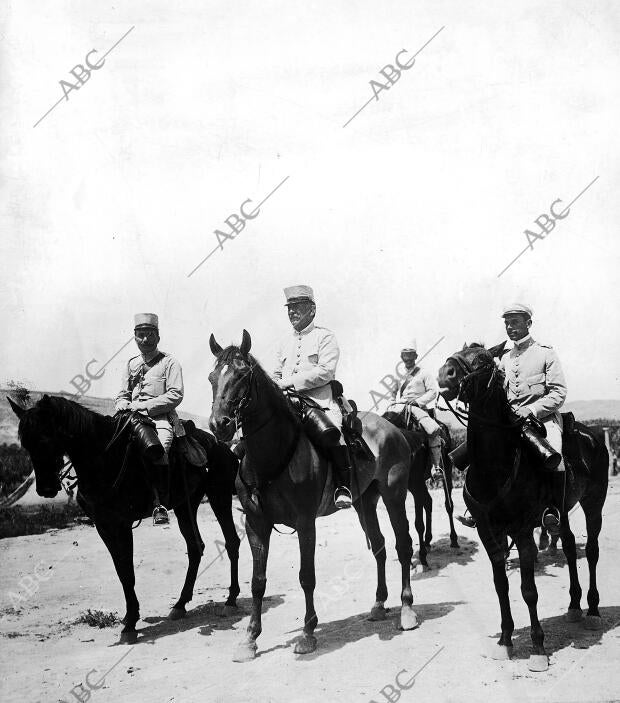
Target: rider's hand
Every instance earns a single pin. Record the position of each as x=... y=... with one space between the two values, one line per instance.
x=524 y=412
x=283 y=385
x=135 y=405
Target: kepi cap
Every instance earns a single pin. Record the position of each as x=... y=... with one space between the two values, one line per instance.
x=146 y=319
x=411 y=347
x=295 y=294
x=517 y=309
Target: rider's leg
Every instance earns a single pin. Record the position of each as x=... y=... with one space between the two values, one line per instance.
x=433 y=433
x=160 y=471
x=341 y=461
x=551 y=514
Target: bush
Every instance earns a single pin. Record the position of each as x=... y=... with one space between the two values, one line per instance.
x=15 y=467
x=16 y=521
x=97 y=618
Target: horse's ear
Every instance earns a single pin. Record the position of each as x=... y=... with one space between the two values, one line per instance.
x=17 y=409
x=215 y=347
x=246 y=343
x=498 y=350
x=464 y=346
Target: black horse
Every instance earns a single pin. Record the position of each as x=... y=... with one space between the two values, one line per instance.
x=418 y=476
x=506 y=492
x=114 y=492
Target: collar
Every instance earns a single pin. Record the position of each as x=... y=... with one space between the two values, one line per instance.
x=413 y=371
x=149 y=357
x=306 y=330
x=523 y=342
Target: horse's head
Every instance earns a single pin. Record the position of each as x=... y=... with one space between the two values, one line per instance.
x=40 y=437
x=230 y=380
x=463 y=371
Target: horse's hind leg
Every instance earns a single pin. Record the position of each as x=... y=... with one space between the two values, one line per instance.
x=527 y=556
x=395 y=505
x=259 y=534
x=366 y=508
x=420 y=505
x=594 y=521
x=186 y=518
x=306 y=533
x=568 y=546
x=222 y=509
x=119 y=541
x=428 y=509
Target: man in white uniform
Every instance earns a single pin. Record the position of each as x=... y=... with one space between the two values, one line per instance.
x=536 y=386
x=306 y=363
x=416 y=395
x=153 y=385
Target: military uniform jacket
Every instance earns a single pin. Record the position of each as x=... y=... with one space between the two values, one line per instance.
x=157 y=387
x=418 y=385
x=534 y=378
x=308 y=361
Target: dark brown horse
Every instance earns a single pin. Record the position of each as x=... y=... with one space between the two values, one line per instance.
x=506 y=492
x=113 y=490
x=296 y=484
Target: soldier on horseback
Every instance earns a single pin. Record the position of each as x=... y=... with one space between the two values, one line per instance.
x=536 y=387
x=152 y=387
x=415 y=397
x=306 y=364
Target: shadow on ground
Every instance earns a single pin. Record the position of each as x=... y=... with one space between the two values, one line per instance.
x=207 y=618
x=560 y=634
x=334 y=634
x=441 y=554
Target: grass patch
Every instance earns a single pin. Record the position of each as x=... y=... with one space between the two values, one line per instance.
x=16 y=521
x=98 y=618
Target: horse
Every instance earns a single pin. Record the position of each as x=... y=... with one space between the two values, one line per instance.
x=418 y=476
x=114 y=492
x=296 y=485
x=505 y=491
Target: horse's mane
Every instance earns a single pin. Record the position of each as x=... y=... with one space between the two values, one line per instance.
x=281 y=401
x=60 y=414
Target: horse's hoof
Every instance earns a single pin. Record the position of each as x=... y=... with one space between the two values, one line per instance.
x=408 y=618
x=573 y=615
x=378 y=612
x=538 y=662
x=552 y=550
x=501 y=653
x=305 y=644
x=428 y=546
x=454 y=545
x=176 y=614
x=426 y=567
x=593 y=622
x=244 y=652
x=227 y=611
x=129 y=637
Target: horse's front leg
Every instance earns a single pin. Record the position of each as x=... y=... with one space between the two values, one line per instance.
x=119 y=541
x=494 y=546
x=539 y=661
x=259 y=534
x=306 y=532
x=447 y=486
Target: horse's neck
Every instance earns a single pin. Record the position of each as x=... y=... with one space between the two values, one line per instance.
x=270 y=435
x=82 y=445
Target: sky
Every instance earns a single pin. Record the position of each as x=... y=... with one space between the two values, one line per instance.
x=401 y=220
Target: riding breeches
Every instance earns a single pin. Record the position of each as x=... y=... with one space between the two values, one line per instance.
x=554 y=436
x=164 y=432
x=426 y=422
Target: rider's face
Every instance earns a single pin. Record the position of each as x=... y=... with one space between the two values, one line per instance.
x=517 y=326
x=146 y=338
x=301 y=314
x=409 y=359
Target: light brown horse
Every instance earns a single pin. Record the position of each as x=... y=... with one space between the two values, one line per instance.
x=296 y=484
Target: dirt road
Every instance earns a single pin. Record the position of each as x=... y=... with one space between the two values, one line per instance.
x=49 y=579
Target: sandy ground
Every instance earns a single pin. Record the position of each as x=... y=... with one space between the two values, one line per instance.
x=48 y=580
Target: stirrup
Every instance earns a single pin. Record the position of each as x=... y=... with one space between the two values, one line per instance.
x=343 y=498
x=466 y=520
x=551 y=521
x=160 y=516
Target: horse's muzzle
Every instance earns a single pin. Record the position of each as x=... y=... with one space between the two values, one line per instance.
x=223 y=428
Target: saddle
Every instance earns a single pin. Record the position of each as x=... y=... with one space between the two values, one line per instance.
x=575 y=442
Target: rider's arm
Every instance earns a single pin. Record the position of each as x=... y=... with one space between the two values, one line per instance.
x=122 y=400
x=431 y=390
x=555 y=384
x=173 y=395
x=323 y=371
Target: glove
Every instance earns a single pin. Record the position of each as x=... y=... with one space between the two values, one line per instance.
x=524 y=412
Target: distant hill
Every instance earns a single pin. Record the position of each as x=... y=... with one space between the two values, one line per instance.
x=594 y=409
x=104 y=406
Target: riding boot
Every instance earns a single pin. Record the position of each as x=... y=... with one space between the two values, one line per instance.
x=436 y=459
x=159 y=484
x=341 y=463
x=551 y=514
